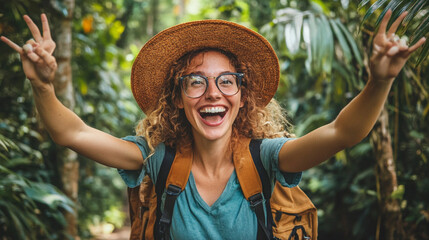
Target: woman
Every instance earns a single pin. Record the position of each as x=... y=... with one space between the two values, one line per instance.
x=205 y=84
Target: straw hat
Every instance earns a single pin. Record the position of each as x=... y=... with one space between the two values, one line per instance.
x=154 y=60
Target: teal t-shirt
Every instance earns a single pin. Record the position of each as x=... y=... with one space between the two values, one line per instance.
x=230 y=217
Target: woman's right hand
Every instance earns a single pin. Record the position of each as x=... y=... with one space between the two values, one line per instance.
x=36 y=55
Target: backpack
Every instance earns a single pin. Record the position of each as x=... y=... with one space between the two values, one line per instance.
x=293 y=215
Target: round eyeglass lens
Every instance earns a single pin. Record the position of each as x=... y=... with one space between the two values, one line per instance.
x=227 y=84
x=194 y=86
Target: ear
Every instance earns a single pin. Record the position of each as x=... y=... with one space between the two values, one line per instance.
x=242 y=100
x=180 y=103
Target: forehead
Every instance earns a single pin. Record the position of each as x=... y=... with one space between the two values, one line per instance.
x=210 y=61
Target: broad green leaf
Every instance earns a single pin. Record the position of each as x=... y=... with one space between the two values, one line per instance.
x=398 y=193
x=342 y=41
x=327 y=46
x=351 y=41
x=293 y=34
x=306 y=36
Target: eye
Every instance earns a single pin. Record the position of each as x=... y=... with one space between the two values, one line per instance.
x=226 y=80
x=195 y=81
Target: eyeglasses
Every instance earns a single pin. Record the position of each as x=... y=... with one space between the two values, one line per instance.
x=194 y=85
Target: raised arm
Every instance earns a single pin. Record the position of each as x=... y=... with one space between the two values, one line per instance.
x=356 y=120
x=63 y=125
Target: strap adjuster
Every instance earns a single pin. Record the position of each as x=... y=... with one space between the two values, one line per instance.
x=256 y=200
x=173 y=190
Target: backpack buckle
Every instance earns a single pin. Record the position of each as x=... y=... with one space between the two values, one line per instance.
x=256 y=200
x=173 y=190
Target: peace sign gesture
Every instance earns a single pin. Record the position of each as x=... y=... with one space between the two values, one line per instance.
x=390 y=52
x=36 y=55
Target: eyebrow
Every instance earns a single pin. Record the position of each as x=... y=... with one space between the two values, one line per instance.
x=203 y=74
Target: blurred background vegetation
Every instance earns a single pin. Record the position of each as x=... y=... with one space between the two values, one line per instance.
x=378 y=189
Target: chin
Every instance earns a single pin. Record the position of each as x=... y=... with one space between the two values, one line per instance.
x=214 y=134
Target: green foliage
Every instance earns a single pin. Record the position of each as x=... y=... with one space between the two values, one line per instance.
x=410 y=106
x=29 y=207
x=322 y=51
x=104 y=101
x=322 y=47
x=31 y=210
x=408 y=27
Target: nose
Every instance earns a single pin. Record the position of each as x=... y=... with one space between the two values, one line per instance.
x=212 y=93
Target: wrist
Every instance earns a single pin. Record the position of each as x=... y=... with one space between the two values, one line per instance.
x=376 y=79
x=42 y=88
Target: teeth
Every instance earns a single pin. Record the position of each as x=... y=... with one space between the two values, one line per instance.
x=213 y=110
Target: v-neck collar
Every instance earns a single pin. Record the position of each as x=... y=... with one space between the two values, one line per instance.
x=225 y=193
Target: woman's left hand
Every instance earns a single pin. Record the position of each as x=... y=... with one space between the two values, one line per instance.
x=390 y=52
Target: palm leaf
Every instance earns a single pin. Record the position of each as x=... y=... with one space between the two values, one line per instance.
x=327 y=45
x=318 y=33
x=373 y=8
x=398 y=7
x=342 y=41
x=351 y=41
x=423 y=55
x=363 y=3
x=421 y=31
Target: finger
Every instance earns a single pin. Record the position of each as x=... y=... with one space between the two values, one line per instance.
x=393 y=51
x=32 y=56
x=33 y=28
x=46 y=57
x=396 y=24
x=11 y=44
x=46 y=29
x=32 y=43
x=417 y=45
x=29 y=46
x=383 y=24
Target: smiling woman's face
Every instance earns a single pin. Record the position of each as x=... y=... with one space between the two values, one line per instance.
x=211 y=115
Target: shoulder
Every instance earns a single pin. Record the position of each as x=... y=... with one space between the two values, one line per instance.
x=152 y=161
x=141 y=142
x=272 y=146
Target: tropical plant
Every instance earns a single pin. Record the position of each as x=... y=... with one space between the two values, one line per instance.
x=413 y=29
x=323 y=57
x=410 y=105
x=29 y=209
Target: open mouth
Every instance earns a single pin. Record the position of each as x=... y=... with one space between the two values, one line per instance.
x=213 y=114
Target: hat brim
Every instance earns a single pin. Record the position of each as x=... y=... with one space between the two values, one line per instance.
x=156 y=57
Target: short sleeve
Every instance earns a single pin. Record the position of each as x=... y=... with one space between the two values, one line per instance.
x=270 y=149
x=133 y=178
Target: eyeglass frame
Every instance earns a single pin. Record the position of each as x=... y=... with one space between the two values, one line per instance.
x=239 y=77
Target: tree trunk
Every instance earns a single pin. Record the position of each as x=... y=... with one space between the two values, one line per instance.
x=152 y=20
x=389 y=225
x=66 y=159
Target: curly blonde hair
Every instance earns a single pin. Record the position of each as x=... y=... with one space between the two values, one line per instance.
x=168 y=124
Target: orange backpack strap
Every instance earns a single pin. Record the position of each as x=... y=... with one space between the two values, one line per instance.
x=181 y=168
x=174 y=185
x=247 y=173
x=253 y=189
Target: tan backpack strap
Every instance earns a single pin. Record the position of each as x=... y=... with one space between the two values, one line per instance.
x=181 y=168
x=174 y=185
x=251 y=185
x=247 y=173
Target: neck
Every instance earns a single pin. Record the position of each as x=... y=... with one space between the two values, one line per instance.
x=212 y=157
